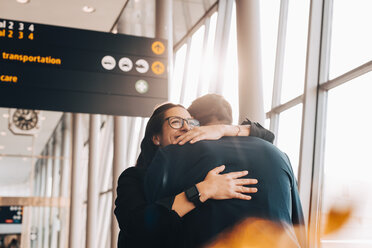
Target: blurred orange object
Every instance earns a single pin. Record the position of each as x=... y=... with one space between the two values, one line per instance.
x=254 y=232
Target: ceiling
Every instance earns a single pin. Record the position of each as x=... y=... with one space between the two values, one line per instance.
x=133 y=17
x=136 y=17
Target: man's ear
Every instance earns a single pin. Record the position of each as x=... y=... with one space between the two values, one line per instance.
x=156 y=140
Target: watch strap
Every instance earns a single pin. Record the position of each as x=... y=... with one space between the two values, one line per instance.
x=193 y=195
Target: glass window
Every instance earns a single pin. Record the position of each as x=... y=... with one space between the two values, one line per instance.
x=231 y=81
x=348 y=161
x=269 y=14
x=194 y=66
x=179 y=67
x=289 y=134
x=209 y=61
x=351 y=35
x=295 y=50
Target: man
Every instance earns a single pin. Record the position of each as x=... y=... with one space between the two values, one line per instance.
x=178 y=168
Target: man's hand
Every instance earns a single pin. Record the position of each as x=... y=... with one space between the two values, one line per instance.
x=225 y=186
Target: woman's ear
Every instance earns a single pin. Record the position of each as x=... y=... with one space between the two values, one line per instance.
x=156 y=140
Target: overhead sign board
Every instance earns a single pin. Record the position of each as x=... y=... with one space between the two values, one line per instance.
x=11 y=214
x=56 y=68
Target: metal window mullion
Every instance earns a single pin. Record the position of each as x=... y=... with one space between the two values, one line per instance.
x=75 y=202
x=285 y=106
x=220 y=44
x=224 y=39
x=41 y=209
x=356 y=72
x=279 y=63
x=106 y=225
x=315 y=211
x=65 y=177
x=106 y=145
x=185 y=72
x=141 y=135
x=49 y=185
x=55 y=189
x=131 y=149
x=36 y=210
x=119 y=159
x=312 y=111
x=315 y=184
x=221 y=11
x=194 y=28
x=93 y=191
x=204 y=56
x=107 y=166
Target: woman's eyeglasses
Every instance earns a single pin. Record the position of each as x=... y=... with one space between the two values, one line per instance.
x=178 y=122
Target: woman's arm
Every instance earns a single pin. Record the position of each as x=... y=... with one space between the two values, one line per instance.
x=211 y=132
x=259 y=131
x=215 y=132
x=141 y=222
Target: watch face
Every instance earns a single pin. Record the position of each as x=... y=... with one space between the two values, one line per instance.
x=25 y=119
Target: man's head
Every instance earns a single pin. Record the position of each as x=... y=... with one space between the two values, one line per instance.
x=211 y=109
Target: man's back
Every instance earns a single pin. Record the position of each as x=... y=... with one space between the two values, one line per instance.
x=174 y=169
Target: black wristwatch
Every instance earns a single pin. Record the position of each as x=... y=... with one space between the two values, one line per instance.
x=193 y=196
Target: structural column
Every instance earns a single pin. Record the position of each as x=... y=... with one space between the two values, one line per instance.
x=65 y=178
x=164 y=30
x=75 y=203
x=118 y=167
x=93 y=191
x=249 y=60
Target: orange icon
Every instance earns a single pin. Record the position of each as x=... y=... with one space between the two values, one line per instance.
x=158 y=67
x=158 y=47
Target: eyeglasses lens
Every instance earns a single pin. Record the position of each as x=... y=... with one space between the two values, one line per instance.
x=176 y=122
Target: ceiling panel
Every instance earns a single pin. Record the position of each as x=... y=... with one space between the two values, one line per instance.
x=67 y=13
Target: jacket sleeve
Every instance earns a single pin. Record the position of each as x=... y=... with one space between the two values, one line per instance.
x=259 y=131
x=155 y=222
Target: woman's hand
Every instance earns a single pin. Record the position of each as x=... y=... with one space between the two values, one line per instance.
x=212 y=132
x=225 y=186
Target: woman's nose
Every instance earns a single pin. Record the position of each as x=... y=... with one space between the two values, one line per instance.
x=185 y=126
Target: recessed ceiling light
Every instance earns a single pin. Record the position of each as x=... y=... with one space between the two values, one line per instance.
x=88 y=9
x=2 y=147
x=2 y=133
x=6 y=115
x=29 y=148
x=23 y=1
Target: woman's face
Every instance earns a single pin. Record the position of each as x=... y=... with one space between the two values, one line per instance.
x=170 y=134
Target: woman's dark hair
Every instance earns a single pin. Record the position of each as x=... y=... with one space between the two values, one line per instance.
x=153 y=127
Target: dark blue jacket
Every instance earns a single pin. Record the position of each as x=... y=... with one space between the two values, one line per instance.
x=176 y=168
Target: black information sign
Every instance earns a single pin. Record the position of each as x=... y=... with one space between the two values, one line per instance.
x=72 y=70
x=11 y=214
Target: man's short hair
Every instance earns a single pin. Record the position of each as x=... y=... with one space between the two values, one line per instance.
x=211 y=108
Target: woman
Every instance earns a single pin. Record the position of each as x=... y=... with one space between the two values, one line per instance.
x=158 y=224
